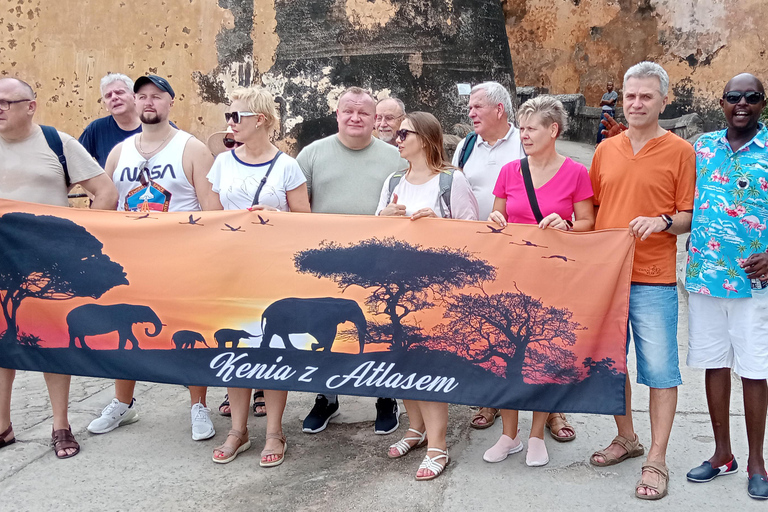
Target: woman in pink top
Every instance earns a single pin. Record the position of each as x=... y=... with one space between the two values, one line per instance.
x=564 y=195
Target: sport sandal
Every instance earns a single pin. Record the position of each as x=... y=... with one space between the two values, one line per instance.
x=633 y=448
x=228 y=454
x=403 y=447
x=660 y=469
x=431 y=464
x=265 y=453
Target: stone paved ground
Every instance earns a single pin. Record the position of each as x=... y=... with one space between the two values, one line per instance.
x=154 y=464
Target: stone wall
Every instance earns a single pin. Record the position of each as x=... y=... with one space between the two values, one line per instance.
x=304 y=51
x=575 y=46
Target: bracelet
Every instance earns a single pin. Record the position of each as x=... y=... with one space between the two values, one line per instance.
x=569 y=224
x=666 y=218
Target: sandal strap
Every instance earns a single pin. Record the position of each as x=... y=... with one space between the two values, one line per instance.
x=628 y=444
x=403 y=447
x=656 y=467
x=275 y=435
x=431 y=464
x=63 y=439
x=9 y=431
x=242 y=436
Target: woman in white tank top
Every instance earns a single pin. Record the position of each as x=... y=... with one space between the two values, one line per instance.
x=256 y=175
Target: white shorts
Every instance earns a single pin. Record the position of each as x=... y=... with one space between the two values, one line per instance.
x=729 y=333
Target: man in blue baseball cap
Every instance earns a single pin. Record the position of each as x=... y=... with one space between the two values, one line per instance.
x=158 y=81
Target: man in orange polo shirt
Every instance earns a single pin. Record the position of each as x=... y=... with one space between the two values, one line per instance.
x=644 y=179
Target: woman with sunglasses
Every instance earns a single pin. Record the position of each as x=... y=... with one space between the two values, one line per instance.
x=417 y=194
x=563 y=194
x=258 y=176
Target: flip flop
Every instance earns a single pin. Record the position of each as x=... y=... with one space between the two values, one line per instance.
x=259 y=403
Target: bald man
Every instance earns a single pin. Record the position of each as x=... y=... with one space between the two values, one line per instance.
x=727 y=277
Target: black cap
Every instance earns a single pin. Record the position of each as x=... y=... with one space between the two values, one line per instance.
x=159 y=81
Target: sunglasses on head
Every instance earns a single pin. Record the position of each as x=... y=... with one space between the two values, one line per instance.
x=402 y=133
x=230 y=143
x=752 y=97
x=237 y=117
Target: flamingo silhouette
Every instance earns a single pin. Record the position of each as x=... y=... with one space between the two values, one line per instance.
x=529 y=244
x=493 y=230
x=705 y=205
x=145 y=216
x=193 y=221
x=729 y=287
x=233 y=229
x=565 y=259
x=262 y=221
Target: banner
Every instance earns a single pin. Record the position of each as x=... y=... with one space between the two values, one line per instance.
x=449 y=311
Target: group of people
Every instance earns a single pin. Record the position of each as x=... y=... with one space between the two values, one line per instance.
x=385 y=161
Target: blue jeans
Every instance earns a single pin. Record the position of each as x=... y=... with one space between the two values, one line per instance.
x=612 y=113
x=653 y=319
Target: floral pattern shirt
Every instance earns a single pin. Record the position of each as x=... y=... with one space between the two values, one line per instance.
x=729 y=216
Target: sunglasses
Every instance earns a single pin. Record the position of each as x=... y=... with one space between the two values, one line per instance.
x=402 y=133
x=144 y=177
x=752 y=97
x=237 y=117
x=230 y=143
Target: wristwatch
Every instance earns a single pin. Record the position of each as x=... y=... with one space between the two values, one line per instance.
x=668 y=220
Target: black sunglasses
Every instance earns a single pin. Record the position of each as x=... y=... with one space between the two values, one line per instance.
x=752 y=97
x=230 y=143
x=144 y=177
x=237 y=117
x=402 y=133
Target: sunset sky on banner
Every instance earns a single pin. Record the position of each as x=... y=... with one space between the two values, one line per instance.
x=207 y=276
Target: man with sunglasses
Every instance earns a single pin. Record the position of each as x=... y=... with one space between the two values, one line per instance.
x=103 y=134
x=160 y=169
x=727 y=277
x=30 y=171
x=345 y=173
x=390 y=113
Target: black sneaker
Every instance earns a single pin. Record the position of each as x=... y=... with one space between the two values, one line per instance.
x=320 y=415
x=387 y=416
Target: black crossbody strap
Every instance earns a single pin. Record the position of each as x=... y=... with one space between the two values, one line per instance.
x=264 y=179
x=529 y=189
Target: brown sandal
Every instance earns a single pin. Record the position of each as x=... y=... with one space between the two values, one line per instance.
x=633 y=448
x=556 y=421
x=63 y=439
x=229 y=453
x=265 y=453
x=489 y=414
x=660 y=469
x=4 y=435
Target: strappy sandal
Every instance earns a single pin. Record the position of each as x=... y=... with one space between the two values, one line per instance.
x=265 y=453
x=8 y=432
x=403 y=447
x=224 y=404
x=660 y=469
x=229 y=453
x=489 y=414
x=556 y=422
x=432 y=465
x=63 y=439
x=259 y=403
x=633 y=448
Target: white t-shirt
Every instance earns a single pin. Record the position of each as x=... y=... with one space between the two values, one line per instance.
x=485 y=163
x=236 y=182
x=426 y=195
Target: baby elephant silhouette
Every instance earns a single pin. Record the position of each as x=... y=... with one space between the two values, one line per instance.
x=233 y=336
x=95 y=319
x=187 y=339
x=318 y=317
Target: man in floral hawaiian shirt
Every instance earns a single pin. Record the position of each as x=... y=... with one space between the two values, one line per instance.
x=727 y=276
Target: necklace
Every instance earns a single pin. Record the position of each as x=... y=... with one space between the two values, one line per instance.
x=158 y=147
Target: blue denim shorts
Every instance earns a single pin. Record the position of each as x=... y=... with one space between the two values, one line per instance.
x=653 y=319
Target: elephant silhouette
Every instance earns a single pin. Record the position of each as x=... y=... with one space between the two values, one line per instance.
x=94 y=319
x=187 y=339
x=319 y=317
x=233 y=336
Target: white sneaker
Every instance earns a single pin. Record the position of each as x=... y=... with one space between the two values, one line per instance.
x=114 y=415
x=202 y=426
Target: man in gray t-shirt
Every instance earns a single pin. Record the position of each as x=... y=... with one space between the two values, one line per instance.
x=608 y=104
x=345 y=173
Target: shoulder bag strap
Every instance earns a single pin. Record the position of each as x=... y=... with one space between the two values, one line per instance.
x=264 y=179
x=526 y=170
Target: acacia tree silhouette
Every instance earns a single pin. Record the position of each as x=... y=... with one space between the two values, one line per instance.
x=404 y=277
x=509 y=326
x=47 y=257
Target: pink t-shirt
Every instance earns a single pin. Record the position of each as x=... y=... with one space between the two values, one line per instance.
x=568 y=186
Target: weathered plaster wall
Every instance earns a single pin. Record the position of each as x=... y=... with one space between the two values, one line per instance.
x=305 y=51
x=574 y=46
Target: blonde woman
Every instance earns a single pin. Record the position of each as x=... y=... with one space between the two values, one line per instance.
x=256 y=175
x=563 y=194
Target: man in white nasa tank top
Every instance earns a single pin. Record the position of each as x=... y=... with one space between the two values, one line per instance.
x=161 y=169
